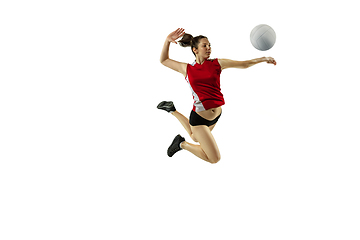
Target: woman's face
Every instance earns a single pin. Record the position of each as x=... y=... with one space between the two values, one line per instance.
x=204 y=49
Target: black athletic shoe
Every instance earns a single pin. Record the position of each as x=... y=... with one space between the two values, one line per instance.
x=175 y=145
x=167 y=106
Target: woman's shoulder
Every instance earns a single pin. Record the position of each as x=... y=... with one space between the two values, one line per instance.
x=212 y=60
x=192 y=64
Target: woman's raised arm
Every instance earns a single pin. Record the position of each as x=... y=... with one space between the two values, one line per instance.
x=164 y=57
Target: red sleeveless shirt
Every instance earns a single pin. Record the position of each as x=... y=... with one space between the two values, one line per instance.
x=204 y=82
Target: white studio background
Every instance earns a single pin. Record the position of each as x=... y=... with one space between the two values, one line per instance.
x=83 y=147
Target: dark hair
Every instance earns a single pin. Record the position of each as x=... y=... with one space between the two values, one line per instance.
x=189 y=41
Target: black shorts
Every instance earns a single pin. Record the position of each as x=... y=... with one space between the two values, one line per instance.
x=196 y=120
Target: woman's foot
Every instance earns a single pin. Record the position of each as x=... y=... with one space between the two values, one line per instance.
x=167 y=106
x=175 y=145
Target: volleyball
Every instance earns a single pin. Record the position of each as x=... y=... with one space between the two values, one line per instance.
x=263 y=37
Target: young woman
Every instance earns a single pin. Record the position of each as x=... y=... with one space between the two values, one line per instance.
x=203 y=77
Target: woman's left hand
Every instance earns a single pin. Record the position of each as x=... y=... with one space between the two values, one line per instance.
x=270 y=60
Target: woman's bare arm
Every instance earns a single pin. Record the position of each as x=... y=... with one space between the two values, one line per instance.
x=164 y=57
x=227 y=63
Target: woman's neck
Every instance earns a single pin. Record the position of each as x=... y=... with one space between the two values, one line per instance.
x=200 y=60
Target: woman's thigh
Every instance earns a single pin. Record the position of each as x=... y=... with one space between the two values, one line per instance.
x=212 y=127
x=207 y=142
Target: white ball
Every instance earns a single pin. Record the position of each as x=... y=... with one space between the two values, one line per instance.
x=263 y=37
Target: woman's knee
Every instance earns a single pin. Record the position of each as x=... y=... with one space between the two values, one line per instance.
x=214 y=159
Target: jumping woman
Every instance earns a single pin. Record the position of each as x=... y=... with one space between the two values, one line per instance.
x=203 y=77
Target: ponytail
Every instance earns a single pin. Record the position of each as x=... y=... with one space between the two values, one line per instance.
x=189 y=41
x=186 y=40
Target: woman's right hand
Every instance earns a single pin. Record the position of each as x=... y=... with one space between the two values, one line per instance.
x=175 y=35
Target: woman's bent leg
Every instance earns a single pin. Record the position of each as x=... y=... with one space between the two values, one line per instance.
x=208 y=149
